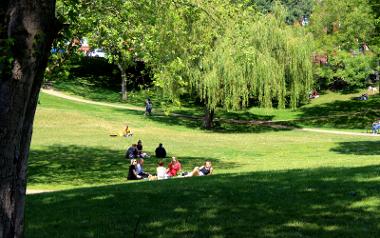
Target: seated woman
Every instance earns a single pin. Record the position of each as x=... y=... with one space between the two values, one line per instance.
x=313 y=94
x=161 y=171
x=174 y=167
x=127 y=132
x=204 y=170
x=375 y=126
x=141 y=154
x=132 y=174
x=140 y=169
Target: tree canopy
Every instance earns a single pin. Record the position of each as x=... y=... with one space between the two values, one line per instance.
x=227 y=53
x=343 y=31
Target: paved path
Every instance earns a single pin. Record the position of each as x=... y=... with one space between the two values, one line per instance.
x=271 y=123
x=35 y=191
x=72 y=98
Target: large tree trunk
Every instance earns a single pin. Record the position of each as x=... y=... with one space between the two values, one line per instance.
x=124 y=93
x=27 y=30
x=208 y=119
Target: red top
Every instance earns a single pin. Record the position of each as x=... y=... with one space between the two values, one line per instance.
x=174 y=168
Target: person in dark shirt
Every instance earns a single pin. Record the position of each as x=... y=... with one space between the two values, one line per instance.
x=132 y=174
x=160 y=151
x=140 y=153
x=132 y=152
x=139 y=146
x=148 y=107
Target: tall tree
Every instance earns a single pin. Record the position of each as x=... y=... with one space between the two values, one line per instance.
x=226 y=53
x=118 y=28
x=27 y=29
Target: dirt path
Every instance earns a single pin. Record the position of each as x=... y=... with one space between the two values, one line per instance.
x=316 y=130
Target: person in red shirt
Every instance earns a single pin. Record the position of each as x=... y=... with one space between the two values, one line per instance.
x=174 y=167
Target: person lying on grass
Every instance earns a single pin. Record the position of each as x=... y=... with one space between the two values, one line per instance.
x=174 y=167
x=132 y=173
x=204 y=170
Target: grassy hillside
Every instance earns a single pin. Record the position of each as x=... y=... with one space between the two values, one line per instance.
x=332 y=110
x=267 y=183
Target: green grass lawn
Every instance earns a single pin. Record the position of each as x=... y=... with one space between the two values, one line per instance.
x=267 y=183
x=332 y=110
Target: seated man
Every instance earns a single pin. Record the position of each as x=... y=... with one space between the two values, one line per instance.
x=174 y=167
x=376 y=126
x=204 y=170
x=160 y=151
x=132 y=152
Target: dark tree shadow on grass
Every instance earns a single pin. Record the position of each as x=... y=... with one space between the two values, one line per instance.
x=358 y=148
x=326 y=202
x=350 y=114
x=79 y=165
x=222 y=125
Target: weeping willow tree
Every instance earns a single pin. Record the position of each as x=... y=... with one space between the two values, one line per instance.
x=227 y=54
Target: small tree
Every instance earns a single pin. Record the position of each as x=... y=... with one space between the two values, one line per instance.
x=118 y=28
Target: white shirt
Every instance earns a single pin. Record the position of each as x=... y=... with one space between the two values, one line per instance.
x=161 y=172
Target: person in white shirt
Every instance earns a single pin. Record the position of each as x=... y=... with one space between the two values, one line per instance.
x=161 y=171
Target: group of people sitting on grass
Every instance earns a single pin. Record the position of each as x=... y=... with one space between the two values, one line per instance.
x=136 y=151
x=136 y=170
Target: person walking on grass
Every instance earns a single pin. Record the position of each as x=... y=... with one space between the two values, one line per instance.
x=148 y=107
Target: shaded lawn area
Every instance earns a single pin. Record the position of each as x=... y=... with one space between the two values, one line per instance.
x=325 y=202
x=331 y=110
x=347 y=114
x=59 y=166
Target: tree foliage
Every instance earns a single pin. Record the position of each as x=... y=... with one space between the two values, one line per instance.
x=227 y=53
x=296 y=9
x=343 y=31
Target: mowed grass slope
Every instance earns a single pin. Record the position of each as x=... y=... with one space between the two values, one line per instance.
x=332 y=110
x=267 y=183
